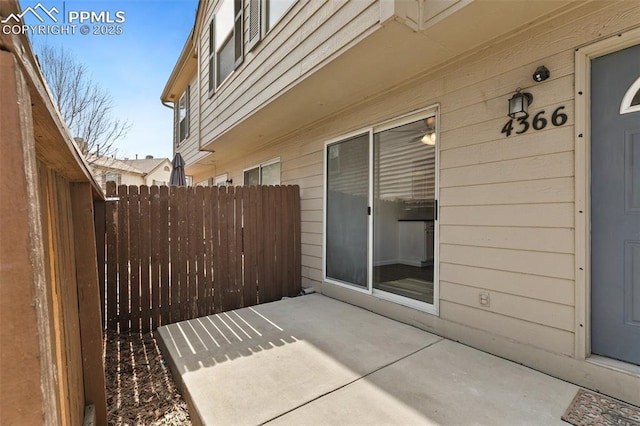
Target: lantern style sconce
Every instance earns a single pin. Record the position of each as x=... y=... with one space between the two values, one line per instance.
x=519 y=103
x=429 y=137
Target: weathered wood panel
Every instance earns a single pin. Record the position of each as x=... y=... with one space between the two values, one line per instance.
x=99 y=220
x=65 y=297
x=29 y=392
x=88 y=290
x=180 y=253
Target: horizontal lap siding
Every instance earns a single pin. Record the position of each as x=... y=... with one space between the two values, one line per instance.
x=309 y=34
x=506 y=204
x=189 y=148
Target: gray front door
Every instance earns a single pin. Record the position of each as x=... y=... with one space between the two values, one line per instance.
x=615 y=208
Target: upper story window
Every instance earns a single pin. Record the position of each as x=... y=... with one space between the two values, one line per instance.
x=263 y=174
x=182 y=116
x=263 y=15
x=275 y=10
x=225 y=42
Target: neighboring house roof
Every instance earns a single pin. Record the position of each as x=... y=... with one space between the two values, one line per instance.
x=115 y=164
x=147 y=165
x=141 y=167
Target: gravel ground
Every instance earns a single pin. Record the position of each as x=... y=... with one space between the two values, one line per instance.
x=140 y=389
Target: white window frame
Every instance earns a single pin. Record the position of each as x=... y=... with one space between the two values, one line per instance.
x=236 y=35
x=261 y=7
x=186 y=97
x=434 y=309
x=260 y=167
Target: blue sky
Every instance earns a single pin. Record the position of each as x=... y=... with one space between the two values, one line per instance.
x=133 y=66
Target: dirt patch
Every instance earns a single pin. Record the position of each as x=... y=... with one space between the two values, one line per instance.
x=140 y=389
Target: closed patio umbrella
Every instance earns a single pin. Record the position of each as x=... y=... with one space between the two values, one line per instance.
x=177 y=177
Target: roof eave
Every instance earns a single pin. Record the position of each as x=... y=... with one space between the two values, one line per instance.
x=188 y=54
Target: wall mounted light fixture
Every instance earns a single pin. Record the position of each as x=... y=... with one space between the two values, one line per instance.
x=541 y=74
x=519 y=103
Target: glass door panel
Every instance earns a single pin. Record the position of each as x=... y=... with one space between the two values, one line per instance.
x=347 y=211
x=403 y=222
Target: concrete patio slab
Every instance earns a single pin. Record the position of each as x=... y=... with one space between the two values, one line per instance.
x=254 y=364
x=446 y=384
x=315 y=360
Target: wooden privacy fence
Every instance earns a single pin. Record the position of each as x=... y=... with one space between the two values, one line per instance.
x=169 y=254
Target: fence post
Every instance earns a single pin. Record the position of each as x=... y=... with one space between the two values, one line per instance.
x=111 y=297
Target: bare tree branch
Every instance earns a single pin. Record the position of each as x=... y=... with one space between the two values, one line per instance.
x=84 y=105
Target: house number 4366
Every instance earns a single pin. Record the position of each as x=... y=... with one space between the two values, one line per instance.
x=538 y=122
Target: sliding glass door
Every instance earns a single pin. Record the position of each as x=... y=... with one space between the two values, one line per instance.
x=404 y=200
x=381 y=211
x=347 y=235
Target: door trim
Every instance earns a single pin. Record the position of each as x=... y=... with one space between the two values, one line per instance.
x=582 y=213
x=361 y=132
x=433 y=309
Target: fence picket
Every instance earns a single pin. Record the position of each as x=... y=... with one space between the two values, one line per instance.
x=111 y=291
x=123 y=258
x=191 y=214
x=279 y=260
x=165 y=263
x=205 y=306
x=272 y=287
x=174 y=228
x=249 y=240
x=240 y=193
x=260 y=245
x=216 y=299
x=199 y=252
x=144 y=249
x=156 y=282
x=286 y=244
x=134 y=258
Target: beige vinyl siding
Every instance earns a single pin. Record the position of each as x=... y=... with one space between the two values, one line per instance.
x=309 y=34
x=506 y=204
x=188 y=148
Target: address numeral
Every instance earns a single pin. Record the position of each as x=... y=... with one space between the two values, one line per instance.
x=538 y=122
